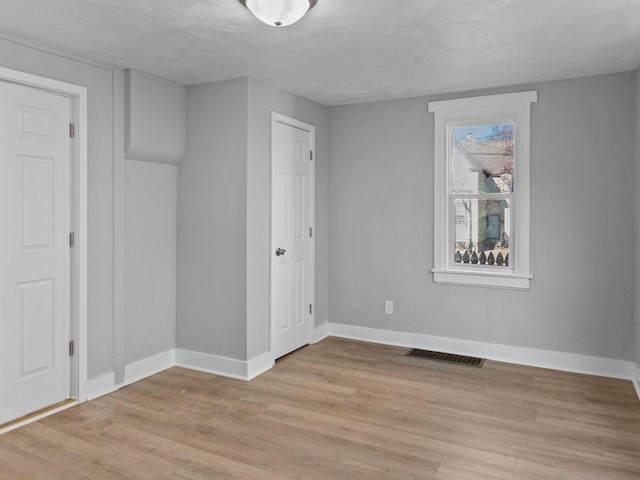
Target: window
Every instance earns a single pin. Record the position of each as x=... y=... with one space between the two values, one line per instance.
x=481 y=175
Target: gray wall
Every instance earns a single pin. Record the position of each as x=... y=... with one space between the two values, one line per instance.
x=582 y=296
x=263 y=99
x=100 y=85
x=637 y=222
x=150 y=259
x=155 y=131
x=212 y=227
x=155 y=121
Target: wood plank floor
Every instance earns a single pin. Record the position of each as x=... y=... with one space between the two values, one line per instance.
x=342 y=409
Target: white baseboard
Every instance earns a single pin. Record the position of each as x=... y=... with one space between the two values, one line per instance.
x=636 y=378
x=136 y=371
x=320 y=332
x=260 y=364
x=205 y=362
x=569 y=362
x=148 y=366
x=227 y=367
x=133 y=372
x=96 y=387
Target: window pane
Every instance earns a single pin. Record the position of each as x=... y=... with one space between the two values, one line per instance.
x=482 y=238
x=482 y=159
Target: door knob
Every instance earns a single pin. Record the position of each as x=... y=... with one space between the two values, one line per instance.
x=280 y=251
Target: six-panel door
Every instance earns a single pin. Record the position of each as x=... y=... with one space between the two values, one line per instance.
x=35 y=201
x=291 y=216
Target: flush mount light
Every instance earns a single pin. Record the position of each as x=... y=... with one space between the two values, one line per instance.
x=279 y=13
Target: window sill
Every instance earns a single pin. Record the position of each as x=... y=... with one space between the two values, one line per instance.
x=482 y=279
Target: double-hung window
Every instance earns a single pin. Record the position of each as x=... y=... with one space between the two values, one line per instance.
x=481 y=187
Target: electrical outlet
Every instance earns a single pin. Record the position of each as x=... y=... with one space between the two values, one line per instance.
x=388 y=307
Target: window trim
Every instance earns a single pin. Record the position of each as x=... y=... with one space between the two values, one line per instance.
x=511 y=107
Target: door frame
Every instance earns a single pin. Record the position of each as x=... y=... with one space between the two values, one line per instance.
x=292 y=122
x=78 y=270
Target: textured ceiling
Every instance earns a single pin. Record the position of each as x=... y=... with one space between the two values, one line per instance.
x=343 y=51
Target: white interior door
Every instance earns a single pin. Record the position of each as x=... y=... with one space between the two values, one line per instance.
x=292 y=256
x=35 y=209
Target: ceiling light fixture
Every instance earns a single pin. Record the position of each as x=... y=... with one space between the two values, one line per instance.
x=279 y=13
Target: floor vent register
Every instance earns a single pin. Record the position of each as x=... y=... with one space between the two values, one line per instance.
x=446 y=357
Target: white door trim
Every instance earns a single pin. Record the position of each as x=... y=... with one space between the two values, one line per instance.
x=78 y=96
x=292 y=122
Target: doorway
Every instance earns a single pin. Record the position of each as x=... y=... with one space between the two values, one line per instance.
x=42 y=268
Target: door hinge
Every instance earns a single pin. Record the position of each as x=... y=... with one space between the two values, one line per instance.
x=310 y=232
x=311 y=155
x=72 y=239
x=310 y=309
x=72 y=347
x=72 y=130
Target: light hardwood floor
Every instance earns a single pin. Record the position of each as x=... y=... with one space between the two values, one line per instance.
x=343 y=409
